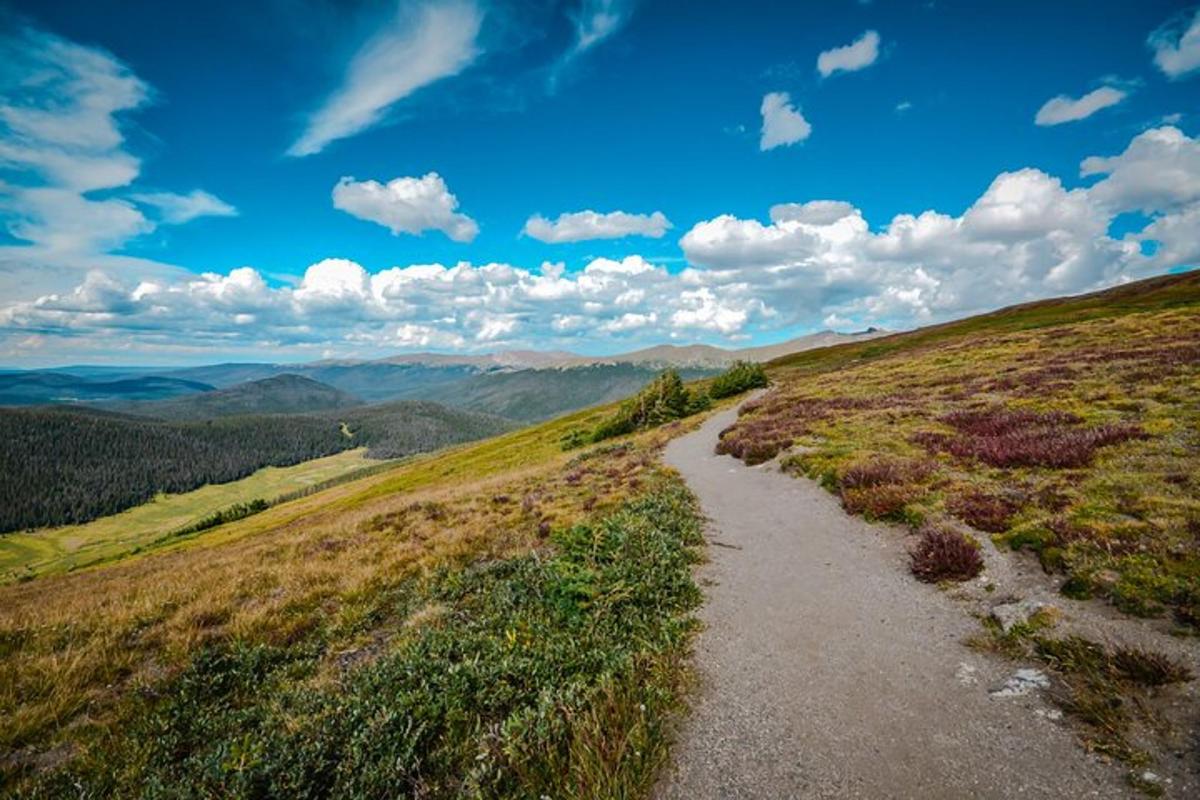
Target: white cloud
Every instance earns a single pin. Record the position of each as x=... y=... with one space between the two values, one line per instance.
x=782 y=122
x=1176 y=46
x=859 y=54
x=61 y=140
x=177 y=209
x=406 y=205
x=814 y=212
x=815 y=263
x=584 y=226
x=1159 y=171
x=417 y=47
x=597 y=20
x=1062 y=108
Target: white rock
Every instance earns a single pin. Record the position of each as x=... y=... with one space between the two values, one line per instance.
x=966 y=674
x=1022 y=683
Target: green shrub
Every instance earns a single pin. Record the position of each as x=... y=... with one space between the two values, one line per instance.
x=663 y=400
x=738 y=378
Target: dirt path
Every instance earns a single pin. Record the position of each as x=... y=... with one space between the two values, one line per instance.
x=828 y=672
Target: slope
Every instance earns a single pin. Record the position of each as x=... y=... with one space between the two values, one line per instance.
x=281 y=394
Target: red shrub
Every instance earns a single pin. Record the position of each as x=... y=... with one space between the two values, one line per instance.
x=982 y=511
x=884 y=471
x=879 y=502
x=1023 y=438
x=943 y=554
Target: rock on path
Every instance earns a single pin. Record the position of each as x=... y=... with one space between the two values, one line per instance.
x=826 y=671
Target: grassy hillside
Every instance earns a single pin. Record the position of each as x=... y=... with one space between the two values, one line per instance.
x=60 y=466
x=509 y=619
x=1070 y=428
x=145 y=526
x=281 y=394
x=493 y=620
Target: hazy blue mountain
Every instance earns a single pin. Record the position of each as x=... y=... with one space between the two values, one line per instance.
x=281 y=394
x=40 y=387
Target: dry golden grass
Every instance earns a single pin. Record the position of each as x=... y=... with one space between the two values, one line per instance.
x=72 y=647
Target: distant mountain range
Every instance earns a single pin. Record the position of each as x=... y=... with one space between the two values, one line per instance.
x=32 y=388
x=520 y=385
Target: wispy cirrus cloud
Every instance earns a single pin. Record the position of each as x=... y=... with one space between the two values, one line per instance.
x=418 y=46
x=1064 y=108
x=177 y=209
x=1176 y=45
x=581 y=226
x=61 y=110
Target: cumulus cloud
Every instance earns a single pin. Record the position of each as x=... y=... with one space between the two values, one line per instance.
x=1158 y=171
x=180 y=208
x=406 y=205
x=61 y=140
x=582 y=226
x=417 y=47
x=859 y=54
x=1176 y=45
x=782 y=122
x=1062 y=108
x=1027 y=235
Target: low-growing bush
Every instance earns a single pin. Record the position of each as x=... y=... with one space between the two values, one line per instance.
x=943 y=554
x=1149 y=667
x=740 y=377
x=982 y=511
x=1002 y=437
x=886 y=502
x=883 y=471
x=664 y=400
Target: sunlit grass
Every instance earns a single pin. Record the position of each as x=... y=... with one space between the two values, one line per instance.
x=79 y=651
x=69 y=547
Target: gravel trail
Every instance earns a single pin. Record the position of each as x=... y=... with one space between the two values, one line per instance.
x=826 y=671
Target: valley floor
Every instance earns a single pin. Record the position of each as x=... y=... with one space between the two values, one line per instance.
x=52 y=550
x=827 y=671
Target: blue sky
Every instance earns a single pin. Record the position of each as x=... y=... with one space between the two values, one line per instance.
x=218 y=137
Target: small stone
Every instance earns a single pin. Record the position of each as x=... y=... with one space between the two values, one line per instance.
x=1009 y=615
x=1150 y=777
x=1022 y=683
x=966 y=674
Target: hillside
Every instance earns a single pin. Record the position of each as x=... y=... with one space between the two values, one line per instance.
x=1069 y=428
x=35 y=388
x=61 y=466
x=281 y=394
x=533 y=395
x=392 y=430
x=533 y=607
